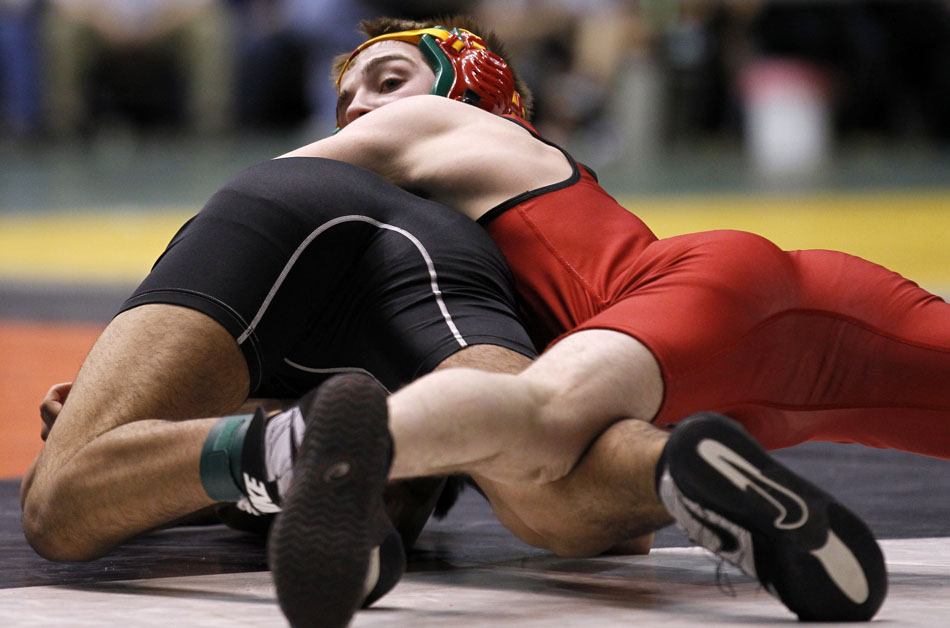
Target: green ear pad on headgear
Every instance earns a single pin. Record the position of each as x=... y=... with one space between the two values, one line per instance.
x=440 y=64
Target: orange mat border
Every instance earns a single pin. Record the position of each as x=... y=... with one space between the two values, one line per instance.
x=33 y=357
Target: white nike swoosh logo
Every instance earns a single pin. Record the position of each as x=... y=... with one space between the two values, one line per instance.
x=792 y=510
x=372 y=572
x=257 y=493
x=843 y=568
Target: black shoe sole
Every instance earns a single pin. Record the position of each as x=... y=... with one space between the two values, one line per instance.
x=810 y=551
x=320 y=544
x=391 y=564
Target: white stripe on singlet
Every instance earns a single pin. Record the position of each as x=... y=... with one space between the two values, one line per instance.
x=433 y=278
x=333 y=371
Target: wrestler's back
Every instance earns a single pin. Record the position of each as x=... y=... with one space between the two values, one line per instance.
x=570 y=247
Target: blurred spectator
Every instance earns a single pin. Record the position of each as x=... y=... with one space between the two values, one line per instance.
x=270 y=73
x=20 y=113
x=572 y=53
x=700 y=45
x=285 y=49
x=285 y=54
x=147 y=61
x=615 y=79
x=890 y=60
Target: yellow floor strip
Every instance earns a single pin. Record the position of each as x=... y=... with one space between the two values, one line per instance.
x=101 y=245
x=908 y=232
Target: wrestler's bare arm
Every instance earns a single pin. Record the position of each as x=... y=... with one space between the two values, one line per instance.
x=447 y=151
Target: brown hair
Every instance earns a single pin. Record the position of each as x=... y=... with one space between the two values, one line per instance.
x=385 y=25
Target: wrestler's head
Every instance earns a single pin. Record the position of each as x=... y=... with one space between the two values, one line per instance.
x=403 y=58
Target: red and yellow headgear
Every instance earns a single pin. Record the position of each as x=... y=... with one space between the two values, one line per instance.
x=465 y=69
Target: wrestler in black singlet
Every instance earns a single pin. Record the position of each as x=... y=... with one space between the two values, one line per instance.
x=317 y=266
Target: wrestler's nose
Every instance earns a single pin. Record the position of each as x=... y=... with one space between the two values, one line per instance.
x=359 y=107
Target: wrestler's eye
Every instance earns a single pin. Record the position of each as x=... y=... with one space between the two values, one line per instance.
x=390 y=84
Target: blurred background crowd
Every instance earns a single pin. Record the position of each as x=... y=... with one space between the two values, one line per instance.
x=788 y=81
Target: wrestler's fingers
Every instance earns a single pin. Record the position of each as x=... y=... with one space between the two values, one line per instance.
x=51 y=406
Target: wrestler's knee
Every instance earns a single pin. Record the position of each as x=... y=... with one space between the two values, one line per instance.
x=580 y=537
x=545 y=444
x=592 y=379
x=551 y=524
x=579 y=545
x=46 y=523
x=55 y=523
x=570 y=537
x=39 y=534
x=565 y=540
x=555 y=437
x=555 y=446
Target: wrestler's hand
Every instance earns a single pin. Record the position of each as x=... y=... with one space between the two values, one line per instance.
x=52 y=405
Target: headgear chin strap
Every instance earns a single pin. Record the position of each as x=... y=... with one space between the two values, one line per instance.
x=465 y=69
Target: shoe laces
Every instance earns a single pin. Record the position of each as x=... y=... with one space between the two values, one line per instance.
x=723 y=580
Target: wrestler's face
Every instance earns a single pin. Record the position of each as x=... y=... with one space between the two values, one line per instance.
x=384 y=72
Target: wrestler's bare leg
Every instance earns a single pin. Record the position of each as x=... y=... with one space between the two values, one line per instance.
x=120 y=385
x=110 y=469
x=119 y=472
x=573 y=404
x=409 y=503
x=607 y=502
x=531 y=427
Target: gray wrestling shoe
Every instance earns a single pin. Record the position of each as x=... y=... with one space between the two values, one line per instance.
x=734 y=499
x=323 y=545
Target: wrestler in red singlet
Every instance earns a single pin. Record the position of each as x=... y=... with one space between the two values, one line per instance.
x=797 y=345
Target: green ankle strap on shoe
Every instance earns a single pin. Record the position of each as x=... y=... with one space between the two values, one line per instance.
x=220 y=465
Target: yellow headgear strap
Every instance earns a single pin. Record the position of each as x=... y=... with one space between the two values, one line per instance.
x=411 y=37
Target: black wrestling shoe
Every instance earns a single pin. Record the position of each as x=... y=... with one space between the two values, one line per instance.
x=387 y=563
x=322 y=547
x=263 y=495
x=734 y=499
